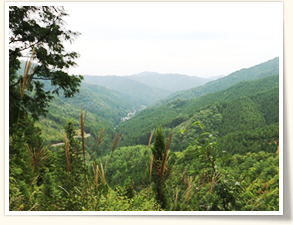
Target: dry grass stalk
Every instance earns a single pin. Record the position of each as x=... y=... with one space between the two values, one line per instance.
x=27 y=75
x=38 y=157
x=176 y=198
x=116 y=141
x=33 y=206
x=150 y=140
x=183 y=174
x=215 y=180
x=82 y=129
x=188 y=190
x=34 y=180
x=96 y=175
x=164 y=161
x=106 y=164
x=103 y=174
x=100 y=139
x=151 y=166
x=69 y=168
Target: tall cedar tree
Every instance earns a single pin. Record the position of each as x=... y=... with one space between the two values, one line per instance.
x=158 y=184
x=71 y=171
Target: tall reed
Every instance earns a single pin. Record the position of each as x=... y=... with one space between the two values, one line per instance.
x=151 y=166
x=188 y=190
x=96 y=175
x=164 y=161
x=150 y=140
x=101 y=139
x=82 y=130
x=103 y=175
x=27 y=75
x=116 y=141
x=69 y=168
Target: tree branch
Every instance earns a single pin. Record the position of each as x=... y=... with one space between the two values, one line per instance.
x=40 y=79
x=41 y=37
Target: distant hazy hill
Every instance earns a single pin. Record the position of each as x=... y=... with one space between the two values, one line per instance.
x=171 y=82
x=144 y=93
x=270 y=67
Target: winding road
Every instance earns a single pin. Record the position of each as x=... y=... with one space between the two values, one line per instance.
x=62 y=143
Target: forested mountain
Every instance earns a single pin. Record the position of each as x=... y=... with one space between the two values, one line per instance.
x=172 y=114
x=104 y=107
x=268 y=68
x=60 y=112
x=170 y=82
x=243 y=116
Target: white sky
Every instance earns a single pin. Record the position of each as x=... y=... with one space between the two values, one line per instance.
x=192 y=38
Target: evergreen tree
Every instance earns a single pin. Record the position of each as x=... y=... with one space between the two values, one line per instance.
x=129 y=188
x=159 y=165
x=71 y=170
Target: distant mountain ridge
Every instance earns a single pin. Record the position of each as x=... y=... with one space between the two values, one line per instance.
x=148 y=87
x=268 y=68
x=144 y=93
x=172 y=81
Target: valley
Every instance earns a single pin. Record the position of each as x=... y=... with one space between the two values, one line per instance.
x=234 y=119
x=147 y=108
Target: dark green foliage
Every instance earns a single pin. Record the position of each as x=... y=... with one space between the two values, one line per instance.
x=48 y=189
x=207 y=160
x=222 y=182
x=241 y=114
x=159 y=160
x=129 y=188
x=159 y=145
x=70 y=171
x=260 y=139
x=39 y=30
x=127 y=162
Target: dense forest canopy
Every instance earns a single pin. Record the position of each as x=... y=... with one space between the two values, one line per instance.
x=110 y=145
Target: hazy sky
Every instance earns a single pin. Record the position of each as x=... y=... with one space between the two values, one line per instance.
x=192 y=38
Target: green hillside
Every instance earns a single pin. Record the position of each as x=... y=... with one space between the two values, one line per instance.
x=172 y=114
x=243 y=116
x=268 y=68
x=101 y=102
x=58 y=115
